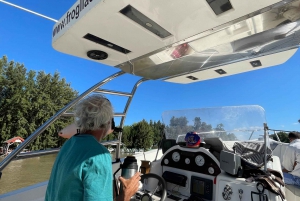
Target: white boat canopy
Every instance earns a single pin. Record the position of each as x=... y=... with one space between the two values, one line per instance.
x=160 y=40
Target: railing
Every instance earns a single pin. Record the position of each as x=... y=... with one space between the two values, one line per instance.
x=43 y=127
x=32 y=154
x=275 y=133
x=63 y=112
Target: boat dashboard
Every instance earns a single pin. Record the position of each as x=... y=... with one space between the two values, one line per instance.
x=197 y=160
x=193 y=174
x=190 y=173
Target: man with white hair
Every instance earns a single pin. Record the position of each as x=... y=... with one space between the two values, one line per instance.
x=83 y=170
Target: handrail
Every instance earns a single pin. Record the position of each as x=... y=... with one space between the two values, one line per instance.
x=279 y=130
x=119 y=93
x=125 y=113
x=119 y=115
x=71 y=114
x=67 y=114
x=13 y=154
x=32 y=154
x=275 y=132
x=266 y=136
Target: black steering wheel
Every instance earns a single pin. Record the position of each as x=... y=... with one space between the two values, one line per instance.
x=161 y=182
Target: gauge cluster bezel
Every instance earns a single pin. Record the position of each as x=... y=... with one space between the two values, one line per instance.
x=178 y=159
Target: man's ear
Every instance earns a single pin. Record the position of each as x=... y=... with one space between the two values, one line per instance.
x=68 y=131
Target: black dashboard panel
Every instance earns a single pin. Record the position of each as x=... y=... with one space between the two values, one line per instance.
x=191 y=161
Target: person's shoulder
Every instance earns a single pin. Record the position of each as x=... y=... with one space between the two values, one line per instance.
x=84 y=137
x=294 y=147
x=98 y=158
x=296 y=144
x=86 y=143
x=92 y=143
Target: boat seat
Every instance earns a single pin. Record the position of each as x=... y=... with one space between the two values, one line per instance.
x=280 y=148
x=167 y=144
x=217 y=145
x=292 y=192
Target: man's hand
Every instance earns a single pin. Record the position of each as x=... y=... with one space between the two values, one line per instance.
x=285 y=170
x=130 y=187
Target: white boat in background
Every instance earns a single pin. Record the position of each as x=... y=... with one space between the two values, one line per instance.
x=7 y=145
x=184 y=42
x=110 y=149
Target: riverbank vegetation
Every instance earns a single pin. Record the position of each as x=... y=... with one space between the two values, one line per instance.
x=141 y=135
x=28 y=99
x=283 y=136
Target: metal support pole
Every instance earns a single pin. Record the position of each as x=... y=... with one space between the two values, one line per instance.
x=277 y=136
x=125 y=112
x=266 y=148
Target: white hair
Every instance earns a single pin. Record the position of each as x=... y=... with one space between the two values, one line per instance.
x=93 y=113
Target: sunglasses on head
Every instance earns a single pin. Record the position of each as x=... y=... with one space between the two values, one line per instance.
x=113 y=125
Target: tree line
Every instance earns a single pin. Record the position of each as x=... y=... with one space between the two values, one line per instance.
x=283 y=136
x=140 y=135
x=181 y=125
x=144 y=135
x=28 y=99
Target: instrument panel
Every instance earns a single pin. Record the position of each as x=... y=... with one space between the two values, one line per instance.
x=196 y=161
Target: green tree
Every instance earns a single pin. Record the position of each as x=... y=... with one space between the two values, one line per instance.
x=282 y=136
x=158 y=131
x=143 y=135
x=111 y=136
x=178 y=126
x=205 y=127
x=12 y=100
x=27 y=100
x=197 y=123
x=127 y=136
x=180 y=121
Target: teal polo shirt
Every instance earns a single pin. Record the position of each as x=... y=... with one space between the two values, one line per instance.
x=82 y=171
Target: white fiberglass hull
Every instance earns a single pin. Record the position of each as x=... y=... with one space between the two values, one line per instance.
x=37 y=191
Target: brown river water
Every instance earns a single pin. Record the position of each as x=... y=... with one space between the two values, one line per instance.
x=22 y=173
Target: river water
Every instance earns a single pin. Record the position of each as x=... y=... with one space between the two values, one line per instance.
x=25 y=172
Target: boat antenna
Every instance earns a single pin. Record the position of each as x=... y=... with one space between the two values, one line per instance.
x=30 y=11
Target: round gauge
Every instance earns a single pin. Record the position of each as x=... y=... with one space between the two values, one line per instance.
x=176 y=156
x=187 y=161
x=200 y=160
x=166 y=161
x=146 y=197
x=211 y=170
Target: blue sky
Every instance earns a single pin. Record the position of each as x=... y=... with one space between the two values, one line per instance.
x=26 y=38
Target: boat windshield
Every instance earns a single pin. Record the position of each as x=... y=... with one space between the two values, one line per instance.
x=234 y=123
